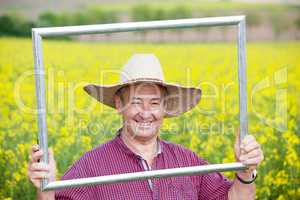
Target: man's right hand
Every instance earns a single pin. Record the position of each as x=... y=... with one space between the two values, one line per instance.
x=38 y=170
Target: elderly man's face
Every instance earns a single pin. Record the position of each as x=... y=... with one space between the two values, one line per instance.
x=142 y=109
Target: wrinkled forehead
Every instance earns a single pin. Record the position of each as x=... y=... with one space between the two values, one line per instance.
x=144 y=90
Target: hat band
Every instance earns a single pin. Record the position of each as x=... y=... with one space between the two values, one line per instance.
x=143 y=79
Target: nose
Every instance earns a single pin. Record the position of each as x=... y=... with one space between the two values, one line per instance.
x=146 y=112
x=146 y=115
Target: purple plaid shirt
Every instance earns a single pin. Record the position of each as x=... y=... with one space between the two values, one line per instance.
x=114 y=157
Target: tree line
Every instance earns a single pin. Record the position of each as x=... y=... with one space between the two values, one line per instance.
x=17 y=25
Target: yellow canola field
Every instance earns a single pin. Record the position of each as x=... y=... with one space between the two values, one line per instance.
x=76 y=123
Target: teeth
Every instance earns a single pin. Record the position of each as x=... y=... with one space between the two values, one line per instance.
x=144 y=123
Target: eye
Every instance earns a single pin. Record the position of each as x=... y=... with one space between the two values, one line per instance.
x=135 y=102
x=155 y=103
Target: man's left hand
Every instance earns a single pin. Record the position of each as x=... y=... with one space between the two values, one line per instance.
x=249 y=153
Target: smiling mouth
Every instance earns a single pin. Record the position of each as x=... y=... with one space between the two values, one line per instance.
x=144 y=124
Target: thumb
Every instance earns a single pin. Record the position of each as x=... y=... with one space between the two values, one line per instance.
x=50 y=154
x=52 y=165
x=237 y=137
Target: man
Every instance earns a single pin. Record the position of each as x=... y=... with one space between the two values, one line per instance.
x=144 y=99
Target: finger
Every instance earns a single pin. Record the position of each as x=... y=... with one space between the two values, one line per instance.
x=253 y=161
x=247 y=139
x=251 y=146
x=36 y=156
x=39 y=175
x=252 y=154
x=39 y=167
x=33 y=149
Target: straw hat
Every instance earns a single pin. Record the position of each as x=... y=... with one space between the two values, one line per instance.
x=146 y=68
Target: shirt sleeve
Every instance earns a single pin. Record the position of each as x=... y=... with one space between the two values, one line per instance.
x=78 y=170
x=212 y=186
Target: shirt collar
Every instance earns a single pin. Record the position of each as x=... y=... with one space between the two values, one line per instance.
x=125 y=149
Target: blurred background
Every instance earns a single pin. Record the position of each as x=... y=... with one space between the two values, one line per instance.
x=266 y=20
x=202 y=57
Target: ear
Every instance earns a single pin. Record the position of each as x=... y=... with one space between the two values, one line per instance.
x=118 y=103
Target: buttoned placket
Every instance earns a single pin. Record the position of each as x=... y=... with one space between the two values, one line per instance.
x=147 y=167
x=143 y=162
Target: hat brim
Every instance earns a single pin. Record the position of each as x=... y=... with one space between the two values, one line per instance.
x=179 y=99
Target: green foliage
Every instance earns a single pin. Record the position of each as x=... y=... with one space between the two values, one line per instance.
x=297 y=22
x=253 y=19
x=88 y=16
x=50 y=19
x=16 y=25
x=180 y=12
x=13 y=24
x=145 y=12
x=276 y=15
x=279 y=24
x=142 y=12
